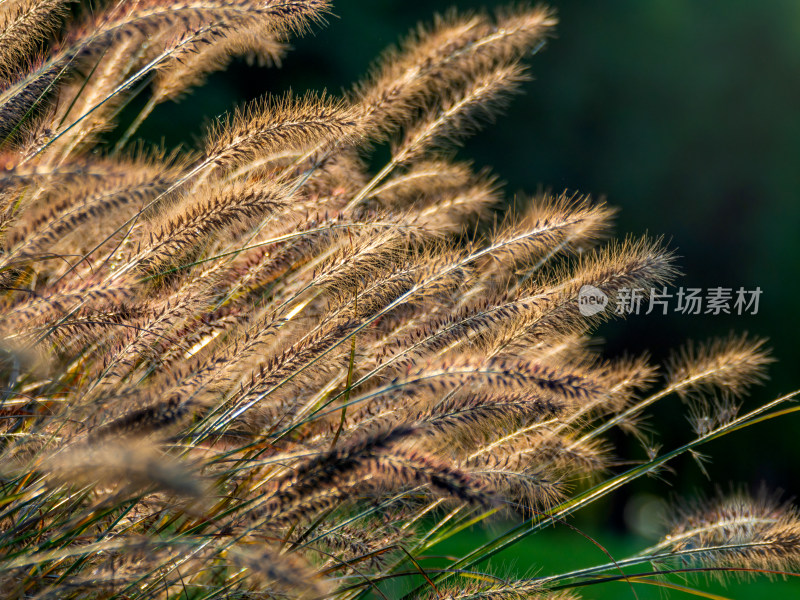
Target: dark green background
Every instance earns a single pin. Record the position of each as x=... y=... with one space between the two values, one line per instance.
x=685 y=114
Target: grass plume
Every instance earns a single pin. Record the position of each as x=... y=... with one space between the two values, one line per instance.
x=269 y=368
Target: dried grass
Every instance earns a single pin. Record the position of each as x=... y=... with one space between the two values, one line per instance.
x=264 y=371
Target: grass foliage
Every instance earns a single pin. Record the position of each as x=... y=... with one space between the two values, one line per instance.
x=263 y=370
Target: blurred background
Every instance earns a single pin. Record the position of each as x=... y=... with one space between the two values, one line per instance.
x=683 y=114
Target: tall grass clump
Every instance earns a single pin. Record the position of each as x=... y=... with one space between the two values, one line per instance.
x=262 y=369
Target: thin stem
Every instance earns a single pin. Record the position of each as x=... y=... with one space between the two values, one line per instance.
x=134 y=126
